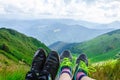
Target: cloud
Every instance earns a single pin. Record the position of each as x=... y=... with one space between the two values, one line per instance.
x=57 y=30
x=90 y=10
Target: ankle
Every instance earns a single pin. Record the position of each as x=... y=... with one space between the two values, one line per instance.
x=80 y=75
x=66 y=70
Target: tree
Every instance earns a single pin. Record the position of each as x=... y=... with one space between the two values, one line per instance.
x=5 y=48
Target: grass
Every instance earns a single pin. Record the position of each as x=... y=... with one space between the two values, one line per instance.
x=109 y=70
x=16 y=73
x=10 y=70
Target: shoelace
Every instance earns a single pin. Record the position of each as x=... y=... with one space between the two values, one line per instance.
x=83 y=66
x=86 y=68
x=66 y=62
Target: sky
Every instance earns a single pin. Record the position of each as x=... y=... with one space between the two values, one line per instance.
x=100 y=11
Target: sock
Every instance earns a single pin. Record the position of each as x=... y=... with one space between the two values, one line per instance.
x=66 y=70
x=80 y=75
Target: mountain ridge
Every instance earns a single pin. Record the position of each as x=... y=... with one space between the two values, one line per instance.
x=101 y=48
x=51 y=30
x=17 y=46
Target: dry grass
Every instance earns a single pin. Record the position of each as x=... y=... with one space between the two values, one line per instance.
x=109 y=70
x=10 y=70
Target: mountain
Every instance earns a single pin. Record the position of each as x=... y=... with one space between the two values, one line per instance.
x=17 y=46
x=112 y=25
x=66 y=33
x=58 y=46
x=103 y=47
x=61 y=46
x=52 y=30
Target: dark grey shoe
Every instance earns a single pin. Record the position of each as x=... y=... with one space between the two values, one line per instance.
x=66 y=54
x=37 y=65
x=51 y=65
x=66 y=62
x=82 y=57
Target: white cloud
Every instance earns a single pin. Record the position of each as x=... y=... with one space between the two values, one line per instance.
x=2 y=11
x=57 y=30
x=90 y=10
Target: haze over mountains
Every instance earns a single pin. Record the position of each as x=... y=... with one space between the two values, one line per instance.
x=52 y=30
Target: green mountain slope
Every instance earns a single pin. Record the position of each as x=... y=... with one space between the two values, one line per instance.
x=17 y=46
x=103 y=47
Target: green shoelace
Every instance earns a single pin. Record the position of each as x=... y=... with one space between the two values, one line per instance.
x=86 y=68
x=82 y=65
x=66 y=62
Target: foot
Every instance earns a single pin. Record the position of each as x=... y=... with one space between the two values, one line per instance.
x=82 y=63
x=66 y=54
x=37 y=64
x=51 y=66
x=66 y=62
x=82 y=67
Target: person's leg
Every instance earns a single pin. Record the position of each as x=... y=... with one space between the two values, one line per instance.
x=82 y=68
x=37 y=65
x=87 y=78
x=65 y=76
x=66 y=66
x=82 y=76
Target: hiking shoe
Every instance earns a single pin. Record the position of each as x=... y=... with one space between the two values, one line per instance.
x=37 y=64
x=51 y=66
x=66 y=63
x=66 y=54
x=82 y=64
x=66 y=59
